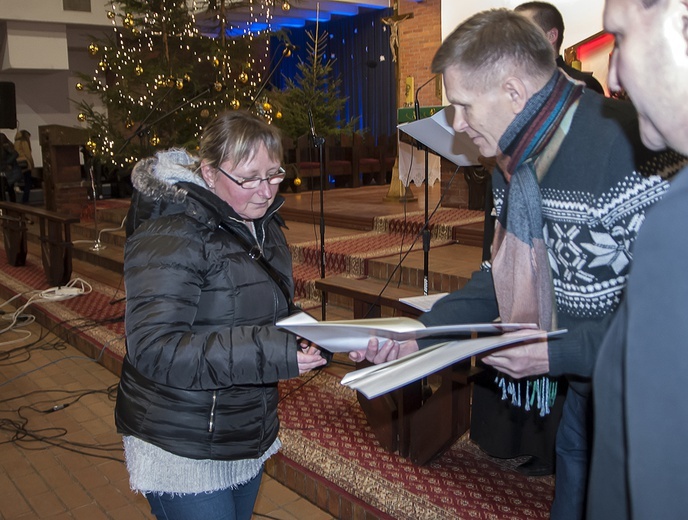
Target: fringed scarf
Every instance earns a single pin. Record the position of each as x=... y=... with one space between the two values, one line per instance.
x=520 y=265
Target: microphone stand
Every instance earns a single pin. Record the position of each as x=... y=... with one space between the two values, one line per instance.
x=319 y=143
x=144 y=128
x=286 y=52
x=426 y=231
x=97 y=244
x=142 y=124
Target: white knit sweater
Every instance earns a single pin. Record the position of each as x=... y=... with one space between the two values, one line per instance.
x=154 y=470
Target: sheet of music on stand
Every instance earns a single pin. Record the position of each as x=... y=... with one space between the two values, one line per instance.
x=437 y=134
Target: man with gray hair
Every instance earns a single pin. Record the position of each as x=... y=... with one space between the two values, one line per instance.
x=640 y=463
x=570 y=198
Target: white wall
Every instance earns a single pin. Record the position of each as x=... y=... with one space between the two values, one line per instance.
x=52 y=11
x=582 y=19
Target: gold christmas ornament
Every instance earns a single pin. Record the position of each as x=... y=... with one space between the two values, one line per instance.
x=128 y=21
x=267 y=106
x=79 y=86
x=278 y=115
x=217 y=86
x=297 y=182
x=129 y=123
x=138 y=70
x=102 y=64
x=93 y=49
x=235 y=104
x=91 y=145
x=180 y=84
x=216 y=62
x=154 y=140
x=243 y=77
x=205 y=112
x=187 y=78
x=111 y=15
x=81 y=116
x=286 y=6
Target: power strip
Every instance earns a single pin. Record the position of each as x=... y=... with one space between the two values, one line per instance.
x=68 y=291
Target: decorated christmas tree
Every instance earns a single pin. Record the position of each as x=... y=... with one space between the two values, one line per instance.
x=168 y=67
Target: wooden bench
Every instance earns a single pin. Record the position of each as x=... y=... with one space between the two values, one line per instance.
x=55 y=237
x=423 y=419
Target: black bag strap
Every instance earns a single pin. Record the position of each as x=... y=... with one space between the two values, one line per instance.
x=256 y=254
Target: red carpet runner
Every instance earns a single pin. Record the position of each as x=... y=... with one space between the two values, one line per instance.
x=325 y=432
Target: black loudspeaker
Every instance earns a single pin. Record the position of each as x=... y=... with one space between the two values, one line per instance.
x=8 y=105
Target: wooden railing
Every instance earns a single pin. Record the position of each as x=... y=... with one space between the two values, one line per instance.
x=55 y=237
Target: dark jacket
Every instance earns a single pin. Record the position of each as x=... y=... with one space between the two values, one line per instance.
x=203 y=354
x=641 y=410
x=585 y=77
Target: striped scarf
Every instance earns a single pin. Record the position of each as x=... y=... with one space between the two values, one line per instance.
x=520 y=265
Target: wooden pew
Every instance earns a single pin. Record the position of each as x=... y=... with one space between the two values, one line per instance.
x=55 y=237
x=421 y=420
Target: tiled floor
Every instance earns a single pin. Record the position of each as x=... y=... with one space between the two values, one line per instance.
x=67 y=464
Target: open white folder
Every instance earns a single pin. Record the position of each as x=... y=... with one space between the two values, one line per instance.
x=348 y=335
x=379 y=379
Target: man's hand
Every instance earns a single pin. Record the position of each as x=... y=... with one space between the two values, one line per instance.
x=389 y=351
x=529 y=359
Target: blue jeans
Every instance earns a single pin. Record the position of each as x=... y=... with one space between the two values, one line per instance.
x=573 y=457
x=228 y=504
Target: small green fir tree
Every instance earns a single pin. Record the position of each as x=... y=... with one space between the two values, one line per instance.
x=314 y=88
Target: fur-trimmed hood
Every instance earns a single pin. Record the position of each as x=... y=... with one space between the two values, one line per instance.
x=157 y=177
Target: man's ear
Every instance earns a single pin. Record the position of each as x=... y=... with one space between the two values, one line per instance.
x=553 y=36
x=517 y=93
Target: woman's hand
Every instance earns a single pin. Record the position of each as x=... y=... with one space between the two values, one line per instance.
x=389 y=351
x=308 y=357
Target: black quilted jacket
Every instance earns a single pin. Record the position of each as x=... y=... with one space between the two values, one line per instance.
x=203 y=354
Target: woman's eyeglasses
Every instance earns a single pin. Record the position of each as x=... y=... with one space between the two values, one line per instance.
x=253 y=183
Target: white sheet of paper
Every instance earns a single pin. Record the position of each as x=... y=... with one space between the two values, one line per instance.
x=424 y=302
x=348 y=335
x=380 y=379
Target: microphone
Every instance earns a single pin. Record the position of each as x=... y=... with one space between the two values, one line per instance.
x=416 y=104
x=288 y=47
x=310 y=121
